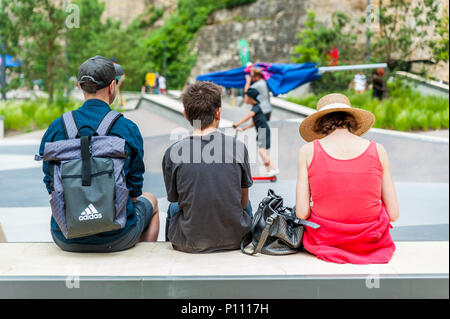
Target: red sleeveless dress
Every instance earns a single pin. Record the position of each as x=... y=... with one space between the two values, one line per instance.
x=346 y=196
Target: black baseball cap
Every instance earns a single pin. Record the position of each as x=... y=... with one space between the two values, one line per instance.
x=253 y=93
x=98 y=71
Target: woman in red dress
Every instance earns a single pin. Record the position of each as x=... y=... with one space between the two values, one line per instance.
x=344 y=184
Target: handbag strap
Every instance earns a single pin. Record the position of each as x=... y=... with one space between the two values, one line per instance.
x=299 y=221
x=306 y=223
x=264 y=235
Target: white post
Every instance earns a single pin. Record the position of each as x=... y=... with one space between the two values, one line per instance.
x=2 y=127
x=3 y=238
x=323 y=69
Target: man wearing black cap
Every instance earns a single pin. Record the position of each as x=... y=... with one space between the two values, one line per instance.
x=97 y=79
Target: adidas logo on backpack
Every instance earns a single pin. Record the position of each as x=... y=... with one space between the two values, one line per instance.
x=89 y=213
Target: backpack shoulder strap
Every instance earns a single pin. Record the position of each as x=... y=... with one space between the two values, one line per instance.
x=107 y=123
x=69 y=125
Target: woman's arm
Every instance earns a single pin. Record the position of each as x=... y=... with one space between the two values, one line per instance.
x=302 y=205
x=388 y=193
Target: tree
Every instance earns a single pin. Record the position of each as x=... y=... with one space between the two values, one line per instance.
x=316 y=39
x=40 y=25
x=440 y=44
x=9 y=34
x=403 y=26
x=88 y=40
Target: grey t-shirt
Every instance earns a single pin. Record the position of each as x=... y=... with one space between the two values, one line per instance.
x=205 y=174
x=263 y=97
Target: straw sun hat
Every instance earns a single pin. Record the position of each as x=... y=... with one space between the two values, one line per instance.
x=330 y=103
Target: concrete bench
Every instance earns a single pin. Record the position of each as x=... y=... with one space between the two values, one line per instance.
x=155 y=270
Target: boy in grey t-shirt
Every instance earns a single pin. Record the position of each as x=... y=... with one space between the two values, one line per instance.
x=207 y=176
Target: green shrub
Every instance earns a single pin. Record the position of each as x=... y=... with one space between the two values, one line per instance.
x=435 y=121
x=444 y=118
x=405 y=109
x=401 y=121
x=30 y=115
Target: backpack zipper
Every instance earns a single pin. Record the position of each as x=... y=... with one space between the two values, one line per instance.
x=93 y=175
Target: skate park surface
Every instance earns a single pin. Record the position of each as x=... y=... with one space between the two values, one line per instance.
x=419 y=165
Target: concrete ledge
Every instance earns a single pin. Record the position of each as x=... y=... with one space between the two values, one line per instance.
x=155 y=270
x=291 y=107
x=170 y=108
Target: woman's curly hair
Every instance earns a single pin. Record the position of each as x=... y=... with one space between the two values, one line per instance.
x=331 y=121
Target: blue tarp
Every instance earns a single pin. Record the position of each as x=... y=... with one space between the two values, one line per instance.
x=280 y=78
x=10 y=61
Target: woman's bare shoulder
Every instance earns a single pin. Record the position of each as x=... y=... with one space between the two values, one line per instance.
x=382 y=154
x=381 y=150
x=307 y=148
x=307 y=151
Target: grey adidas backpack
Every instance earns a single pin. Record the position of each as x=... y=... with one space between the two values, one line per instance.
x=89 y=193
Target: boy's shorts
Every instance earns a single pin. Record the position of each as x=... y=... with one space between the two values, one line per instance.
x=144 y=214
x=263 y=139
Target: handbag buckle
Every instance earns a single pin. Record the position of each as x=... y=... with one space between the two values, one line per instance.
x=269 y=220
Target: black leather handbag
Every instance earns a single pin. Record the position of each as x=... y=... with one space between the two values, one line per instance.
x=275 y=228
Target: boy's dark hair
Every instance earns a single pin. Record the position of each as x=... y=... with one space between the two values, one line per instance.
x=253 y=94
x=331 y=121
x=201 y=101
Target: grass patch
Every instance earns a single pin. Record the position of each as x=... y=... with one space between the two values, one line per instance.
x=404 y=110
x=27 y=116
x=31 y=115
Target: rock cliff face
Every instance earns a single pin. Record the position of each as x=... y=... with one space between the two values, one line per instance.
x=127 y=10
x=269 y=26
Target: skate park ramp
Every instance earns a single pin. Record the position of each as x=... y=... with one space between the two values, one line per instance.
x=419 y=166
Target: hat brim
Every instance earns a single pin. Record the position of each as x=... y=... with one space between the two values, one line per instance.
x=364 y=119
x=119 y=70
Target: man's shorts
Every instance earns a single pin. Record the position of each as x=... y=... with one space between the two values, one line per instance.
x=144 y=214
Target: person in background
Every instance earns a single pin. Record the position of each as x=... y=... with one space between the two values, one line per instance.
x=256 y=81
x=348 y=179
x=162 y=84
x=150 y=82
x=157 y=83
x=262 y=130
x=360 y=82
x=120 y=77
x=207 y=176
x=379 y=88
